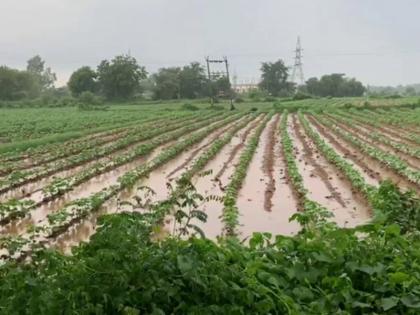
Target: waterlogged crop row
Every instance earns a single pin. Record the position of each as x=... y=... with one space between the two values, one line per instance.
x=62 y=185
x=211 y=152
x=59 y=222
x=333 y=157
x=230 y=215
x=70 y=148
x=31 y=123
x=387 y=159
x=363 y=118
x=398 y=117
x=292 y=168
x=377 y=136
x=72 y=143
x=19 y=178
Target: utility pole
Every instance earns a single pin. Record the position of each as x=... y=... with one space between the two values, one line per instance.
x=297 y=74
x=212 y=75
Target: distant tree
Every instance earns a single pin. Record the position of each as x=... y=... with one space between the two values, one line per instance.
x=82 y=80
x=410 y=91
x=312 y=86
x=44 y=76
x=120 y=78
x=335 y=85
x=167 y=83
x=274 y=78
x=192 y=81
x=16 y=85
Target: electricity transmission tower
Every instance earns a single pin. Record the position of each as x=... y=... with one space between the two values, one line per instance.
x=297 y=74
x=215 y=75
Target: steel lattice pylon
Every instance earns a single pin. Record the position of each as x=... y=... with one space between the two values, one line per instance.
x=297 y=74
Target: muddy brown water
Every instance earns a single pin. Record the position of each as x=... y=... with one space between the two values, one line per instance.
x=254 y=216
x=324 y=190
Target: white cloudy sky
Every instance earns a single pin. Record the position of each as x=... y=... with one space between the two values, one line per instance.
x=376 y=41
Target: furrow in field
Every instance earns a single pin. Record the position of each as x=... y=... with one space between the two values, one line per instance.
x=269 y=142
x=376 y=128
x=222 y=175
x=197 y=151
x=382 y=170
x=397 y=133
x=352 y=156
x=325 y=183
x=367 y=134
x=266 y=199
x=207 y=185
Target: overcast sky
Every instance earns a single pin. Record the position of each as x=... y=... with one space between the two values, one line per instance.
x=376 y=41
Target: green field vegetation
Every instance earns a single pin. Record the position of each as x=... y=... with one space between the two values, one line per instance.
x=130 y=267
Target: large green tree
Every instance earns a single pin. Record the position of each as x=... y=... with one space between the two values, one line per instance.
x=119 y=79
x=16 y=85
x=167 y=83
x=44 y=75
x=274 y=78
x=82 y=80
x=192 y=81
x=187 y=82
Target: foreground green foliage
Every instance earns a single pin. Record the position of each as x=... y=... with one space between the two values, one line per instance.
x=373 y=269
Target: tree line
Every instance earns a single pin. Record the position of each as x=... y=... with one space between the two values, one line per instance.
x=123 y=78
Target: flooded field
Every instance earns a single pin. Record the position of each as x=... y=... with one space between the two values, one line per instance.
x=243 y=155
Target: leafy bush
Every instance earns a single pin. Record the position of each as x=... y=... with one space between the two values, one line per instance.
x=89 y=98
x=216 y=107
x=270 y=99
x=188 y=106
x=301 y=96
